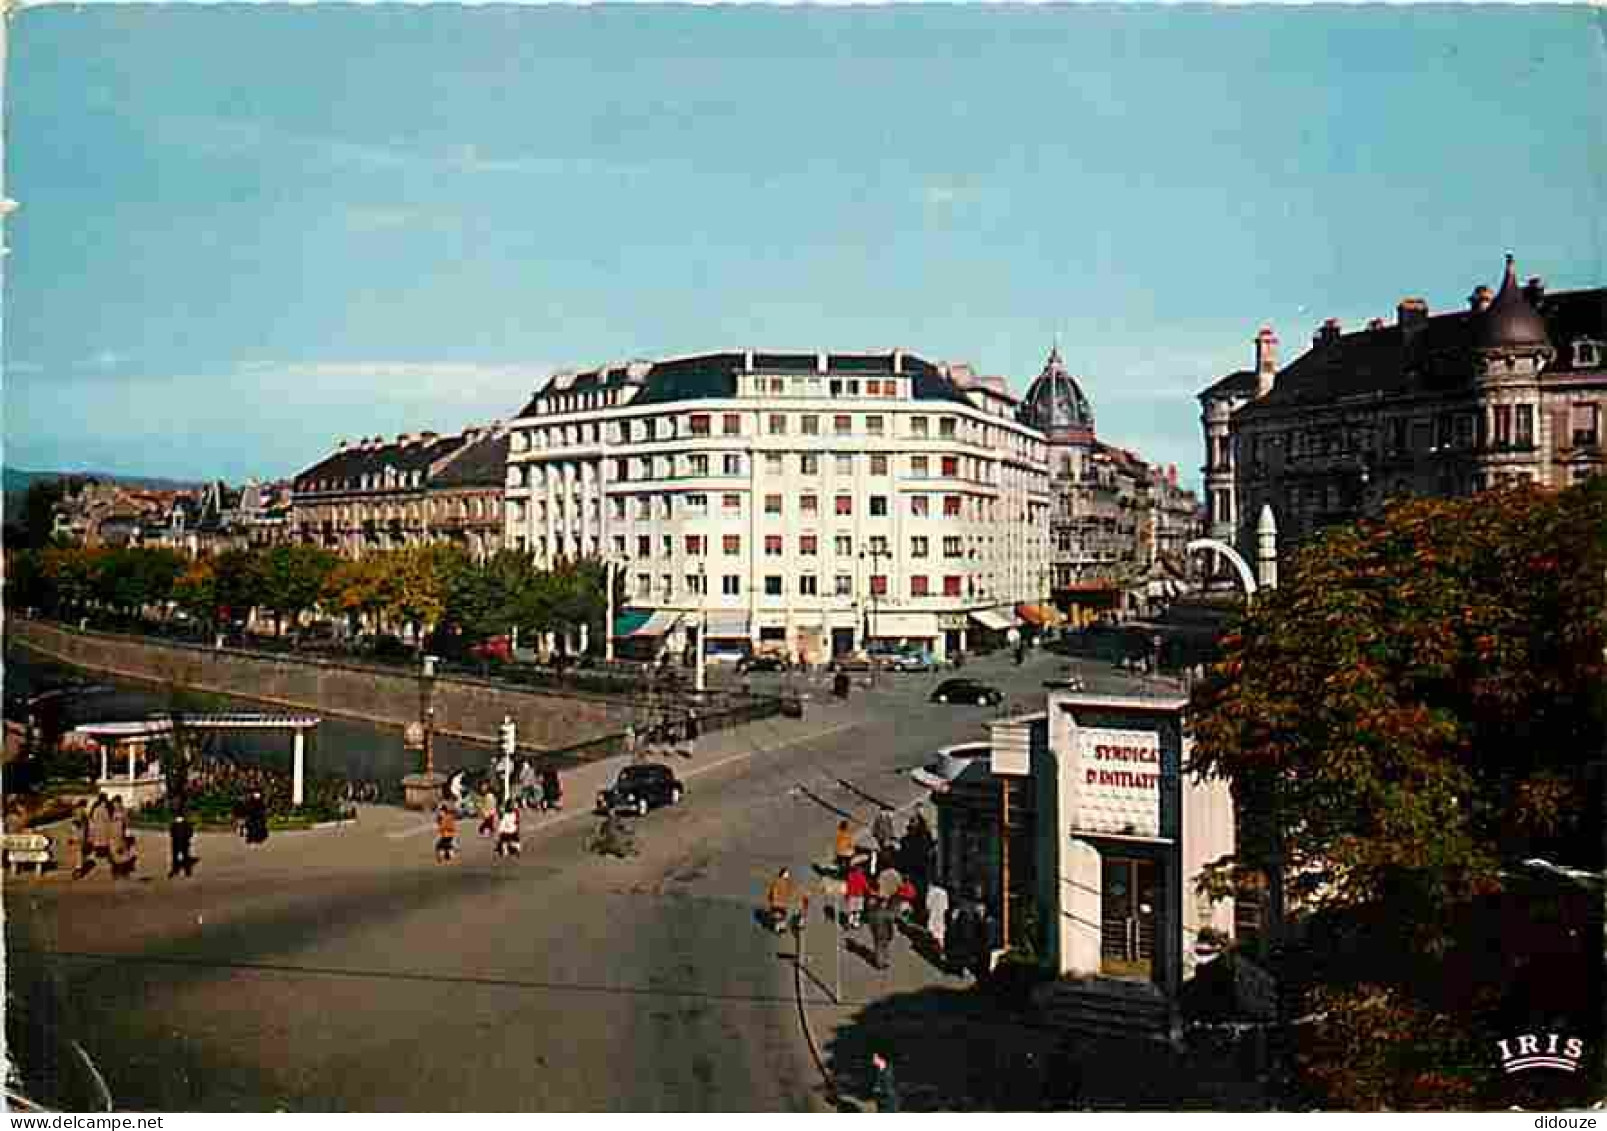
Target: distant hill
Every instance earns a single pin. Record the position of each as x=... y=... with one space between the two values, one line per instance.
x=17 y=481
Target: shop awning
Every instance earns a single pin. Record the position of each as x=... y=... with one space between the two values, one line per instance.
x=893 y=626
x=992 y=619
x=1041 y=615
x=724 y=624
x=641 y=622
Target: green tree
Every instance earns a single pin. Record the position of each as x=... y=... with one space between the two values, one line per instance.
x=352 y=590
x=196 y=591
x=238 y=580
x=292 y=580
x=414 y=583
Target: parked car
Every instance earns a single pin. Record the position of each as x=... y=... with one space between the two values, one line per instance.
x=639 y=788
x=762 y=663
x=967 y=691
x=909 y=662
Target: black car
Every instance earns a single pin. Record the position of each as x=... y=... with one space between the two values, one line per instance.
x=762 y=664
x=967 y=691
x=640 y=788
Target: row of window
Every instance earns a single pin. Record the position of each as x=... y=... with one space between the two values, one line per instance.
x=480 y=507
x=775 y=545
x=774 y=585
x=697 y=505
x=699 y=425
x=388 y=479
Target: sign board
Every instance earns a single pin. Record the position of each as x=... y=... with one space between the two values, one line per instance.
x=1118 y=781
x=413 y=736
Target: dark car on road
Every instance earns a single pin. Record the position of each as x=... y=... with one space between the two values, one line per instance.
x=640 y=788
x=967 y=691
x=762 y=664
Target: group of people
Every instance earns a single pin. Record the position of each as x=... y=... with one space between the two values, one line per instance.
x=893 y=879
x=102 y=833
x=530 y=788
x=499 y=822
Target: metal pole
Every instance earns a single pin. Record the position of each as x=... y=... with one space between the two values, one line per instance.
x=299 y=773
x=608 y=629
x=1004 y=859
x=702 y=626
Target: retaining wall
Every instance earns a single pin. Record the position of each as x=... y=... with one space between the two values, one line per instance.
x=468 y=707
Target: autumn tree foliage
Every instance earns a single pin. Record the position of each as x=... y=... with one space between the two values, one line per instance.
x=1419 y=699
x=1415 y=711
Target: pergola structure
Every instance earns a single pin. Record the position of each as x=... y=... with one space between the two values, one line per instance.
x=108 y=736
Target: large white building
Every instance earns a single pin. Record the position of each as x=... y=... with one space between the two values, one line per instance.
x=808 y=503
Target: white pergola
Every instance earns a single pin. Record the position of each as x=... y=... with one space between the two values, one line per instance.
x=110 y=735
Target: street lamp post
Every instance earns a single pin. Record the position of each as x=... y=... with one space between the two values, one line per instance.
x=877 y=553
x=423 y=789
x=611 y=568
x=702 y=625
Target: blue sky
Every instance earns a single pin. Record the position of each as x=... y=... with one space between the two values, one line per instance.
x=248 y=232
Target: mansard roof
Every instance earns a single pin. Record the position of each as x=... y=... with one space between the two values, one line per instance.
x=713 y=376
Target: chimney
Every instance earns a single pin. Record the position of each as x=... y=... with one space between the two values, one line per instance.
x=404 y=439
x=340 y=445
x=1534 y=290
x=898 y=361
x=1375 y=323
x=1327 y=333
x=1171 y=474
x=428 y=437
x=1266 y=360
x=1411 y=312
x=1481 y=298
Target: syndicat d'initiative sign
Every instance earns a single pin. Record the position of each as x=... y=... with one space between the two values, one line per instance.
x=1118 y=781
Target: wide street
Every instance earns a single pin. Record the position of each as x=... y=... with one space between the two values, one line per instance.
x=343 y=969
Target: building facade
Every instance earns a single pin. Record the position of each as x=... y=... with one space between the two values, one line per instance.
x=810 y=503
x=373 y=495
x=1510 y=390
x=1115 y=521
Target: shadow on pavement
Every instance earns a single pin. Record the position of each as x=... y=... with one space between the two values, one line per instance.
x=961 y=1050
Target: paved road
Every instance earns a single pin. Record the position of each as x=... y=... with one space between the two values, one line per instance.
x=343 y=970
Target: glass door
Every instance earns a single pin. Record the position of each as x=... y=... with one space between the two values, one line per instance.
x=1127 y=928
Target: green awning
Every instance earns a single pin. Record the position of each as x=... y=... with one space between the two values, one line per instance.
x=629 y=622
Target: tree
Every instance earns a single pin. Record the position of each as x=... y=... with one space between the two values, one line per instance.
x=196 y=591
x=351 y=589
x=239 y=583
x=414 y=584
x=1416 y=710
x=1416 y=703
x=292 y=580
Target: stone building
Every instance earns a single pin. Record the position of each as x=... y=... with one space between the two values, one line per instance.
x=1115 y=521
x=1510 y=390
x=465 y=496
x=374 y=495
x=809 y=503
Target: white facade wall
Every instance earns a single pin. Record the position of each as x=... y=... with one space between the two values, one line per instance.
x=635 y=483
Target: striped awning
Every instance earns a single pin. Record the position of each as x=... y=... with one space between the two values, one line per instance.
x=640 y=622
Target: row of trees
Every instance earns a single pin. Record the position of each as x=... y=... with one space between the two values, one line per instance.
x=1414 y=712
x=426 y=588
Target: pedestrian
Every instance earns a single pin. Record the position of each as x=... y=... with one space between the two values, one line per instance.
x=844 y=848
x=256 y=818
x=937 y=912
x=508 y=831
x=856 y=890
x=630 y=740
x=778 y=898
x=100 y=828
x=879 y=914
x=884 y=1086
x=960 y=952
x=529 y=794
x=552 y=789
x=446 y=834
x=79 y=855
x=488 y=811
x=181 y=835
x=693 y=725
x=881 y=830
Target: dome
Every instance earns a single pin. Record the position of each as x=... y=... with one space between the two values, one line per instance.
x=1509 y=322
x=1055 y=404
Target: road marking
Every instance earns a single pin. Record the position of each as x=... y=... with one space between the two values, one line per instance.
x=543 y=824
